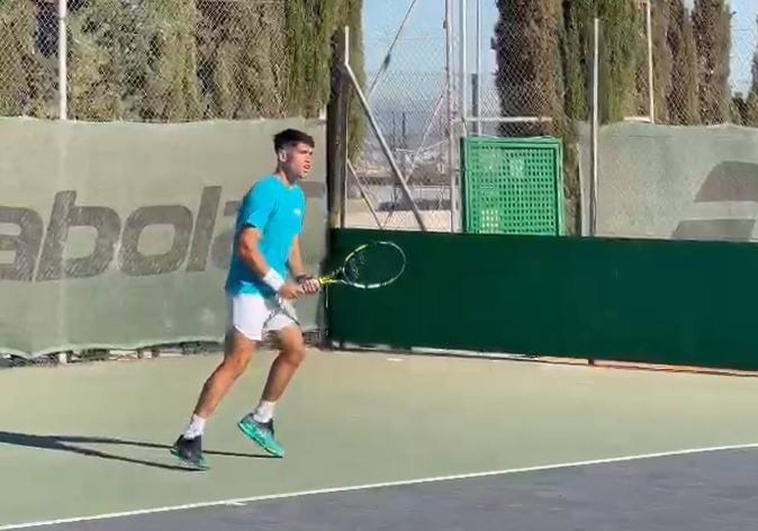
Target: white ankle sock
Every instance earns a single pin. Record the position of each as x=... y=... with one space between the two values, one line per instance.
x=195 y=427
x=265 y=411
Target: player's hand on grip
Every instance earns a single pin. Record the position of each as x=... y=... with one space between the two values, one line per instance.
x=290 y=291
x=309 y=284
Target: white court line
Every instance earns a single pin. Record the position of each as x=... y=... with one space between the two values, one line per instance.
x=333 y=490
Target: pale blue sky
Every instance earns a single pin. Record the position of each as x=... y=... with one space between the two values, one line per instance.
x=423 y=44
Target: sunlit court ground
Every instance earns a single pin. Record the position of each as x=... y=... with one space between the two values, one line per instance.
x=380 y=439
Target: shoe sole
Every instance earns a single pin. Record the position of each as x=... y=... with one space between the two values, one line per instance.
x=195 y=466
x=253 y=436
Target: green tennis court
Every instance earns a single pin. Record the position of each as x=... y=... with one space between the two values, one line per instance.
x=379 y=440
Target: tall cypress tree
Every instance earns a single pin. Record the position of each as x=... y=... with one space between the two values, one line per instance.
x=619 y=54
x=750 y=111
x=16 y=39
x=575 y=54
x=172 y=89
x=620 y=39
x=662 y=60
x=529 y=77
x=711 y=23
x=164 y=61
x=352 y=11
x=259 y=59
x=217 y=58
x=312 y=24
x=26 y=78
x=108 y=61
x=642 y=72
x=682 y=97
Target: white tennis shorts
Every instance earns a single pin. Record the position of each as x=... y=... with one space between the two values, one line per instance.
x=252 y=315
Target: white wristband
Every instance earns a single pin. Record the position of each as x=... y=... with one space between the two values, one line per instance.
x=273 y=280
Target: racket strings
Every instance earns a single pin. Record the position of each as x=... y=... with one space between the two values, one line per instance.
x=375 y=264
x=355 y=268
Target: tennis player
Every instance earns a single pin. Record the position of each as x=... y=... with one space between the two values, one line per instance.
x=260 y=294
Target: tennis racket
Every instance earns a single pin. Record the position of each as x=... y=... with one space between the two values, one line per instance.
x=370 y=266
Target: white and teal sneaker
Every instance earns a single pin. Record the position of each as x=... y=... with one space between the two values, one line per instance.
x=261 y=433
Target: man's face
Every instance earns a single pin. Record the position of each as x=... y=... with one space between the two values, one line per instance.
x=298 y=161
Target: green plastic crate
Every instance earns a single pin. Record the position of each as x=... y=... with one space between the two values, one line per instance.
x=513 y=185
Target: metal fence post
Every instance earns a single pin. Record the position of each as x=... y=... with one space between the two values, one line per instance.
x=595 y=125
x=62 y=61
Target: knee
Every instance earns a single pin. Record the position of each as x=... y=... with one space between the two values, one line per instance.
x=294 y=354
x=235 y=365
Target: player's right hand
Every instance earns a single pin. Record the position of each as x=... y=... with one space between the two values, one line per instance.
x=309 y=285
x=290 y=291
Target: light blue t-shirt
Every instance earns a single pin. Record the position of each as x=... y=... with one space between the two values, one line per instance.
x=278 y=211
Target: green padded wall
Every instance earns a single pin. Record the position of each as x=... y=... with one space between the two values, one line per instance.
x=671 y=302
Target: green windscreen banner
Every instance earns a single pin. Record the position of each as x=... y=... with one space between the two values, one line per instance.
x=119 y=235
x=682 y=303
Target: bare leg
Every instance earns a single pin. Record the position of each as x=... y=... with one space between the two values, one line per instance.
x=259 y=426
x=286 y=363
x=238 y=353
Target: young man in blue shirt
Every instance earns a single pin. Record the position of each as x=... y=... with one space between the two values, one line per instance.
x=266 y=250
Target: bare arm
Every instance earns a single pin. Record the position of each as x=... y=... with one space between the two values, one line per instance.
x=308 y=284
x=250 y=252
x=296 y=259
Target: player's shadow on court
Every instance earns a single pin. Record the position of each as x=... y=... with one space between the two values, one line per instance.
x=68 y=443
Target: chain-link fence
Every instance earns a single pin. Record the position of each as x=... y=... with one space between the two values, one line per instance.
x=528 y=72
x=690 y=174
x=658 y=64
x=177 y=61
x=408 y=94
x=28 y=58
x=701 y=64
x=164 y=61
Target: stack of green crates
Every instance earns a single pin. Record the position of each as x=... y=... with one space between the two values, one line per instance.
x=513 y=185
